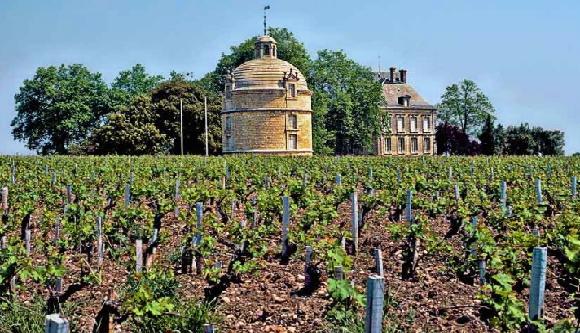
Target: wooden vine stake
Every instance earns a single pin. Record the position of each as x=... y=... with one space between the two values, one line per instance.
x=209 y=328
x=177 y=197
x=100 y=245
x=378 y=255
x=27 y=237
x=375 y=303
x=338 y=179
x=55 y=324
x=456 y=190
x=338 y=273
x=127 y=195
x=69 y=194
x=307 y=263
x=139 y=255
x=482 y=271
x=573 y=185
x=538 y=284
x=503 y=195
x=409 y=207
x=354 y=217
x=5 y=200
x=539 y=191
x=285 y=224
x=197 y=239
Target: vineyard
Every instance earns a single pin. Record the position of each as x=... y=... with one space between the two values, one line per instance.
x=280 y=244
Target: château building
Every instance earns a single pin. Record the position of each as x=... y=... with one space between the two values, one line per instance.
x=412 y=128
x=267 y=106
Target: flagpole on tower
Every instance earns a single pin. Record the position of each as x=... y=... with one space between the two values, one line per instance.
x=265 y=8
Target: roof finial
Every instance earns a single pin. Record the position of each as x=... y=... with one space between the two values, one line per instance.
x=265 y=8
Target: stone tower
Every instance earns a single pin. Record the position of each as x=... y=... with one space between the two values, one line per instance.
x=267 y=107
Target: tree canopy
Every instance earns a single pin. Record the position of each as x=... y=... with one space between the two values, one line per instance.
x=132 y=83
x=130 y=130
x=465 y=106
x=346 y=100
x=59 y=107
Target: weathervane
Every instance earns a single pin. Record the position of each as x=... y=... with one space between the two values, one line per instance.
x=265 y=8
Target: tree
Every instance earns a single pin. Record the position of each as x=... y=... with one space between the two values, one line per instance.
x=130 y=130
x=289 y=49
x=131 y=83
x=523 y=140
x=453 y=140
x=166 y=105
x=492 y=138
x=345 y=102
x=465 y=106
x=59 y=107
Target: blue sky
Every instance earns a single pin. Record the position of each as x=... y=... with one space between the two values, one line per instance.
x=524 y=54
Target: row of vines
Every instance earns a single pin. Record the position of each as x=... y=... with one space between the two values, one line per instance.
x=170 y=244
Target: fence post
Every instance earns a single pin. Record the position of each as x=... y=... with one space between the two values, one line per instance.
x=354 y=211
x=55 y=324
x=285 y=223
x=375 y=303
x=378 y=261
x=409 y=207
x=573 y=185
x=538 y=284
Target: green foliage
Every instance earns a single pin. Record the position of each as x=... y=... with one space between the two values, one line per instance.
x=509 y=311
x=466 y=106
x=132 y=83
x=130 y=130
x=166 y=100
x=58 y=108
x=523 y=140
x=345 y=102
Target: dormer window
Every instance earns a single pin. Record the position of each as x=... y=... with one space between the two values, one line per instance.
x=404 y=100
x=292 y=90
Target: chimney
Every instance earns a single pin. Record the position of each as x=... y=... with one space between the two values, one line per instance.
x=403 y=75
x=392 y=74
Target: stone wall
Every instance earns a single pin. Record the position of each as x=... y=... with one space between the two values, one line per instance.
x=266 y=132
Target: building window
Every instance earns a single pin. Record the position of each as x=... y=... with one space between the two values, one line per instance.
x=388 y=145
x=229 y=142
x=426 y=124
x=228 y=123
x=401 y=145
x=427 y=145
x=293 y=121
x=413 y=124
x=292 y=141
x=414 y=145
x=292 y=90
x=400 y=124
